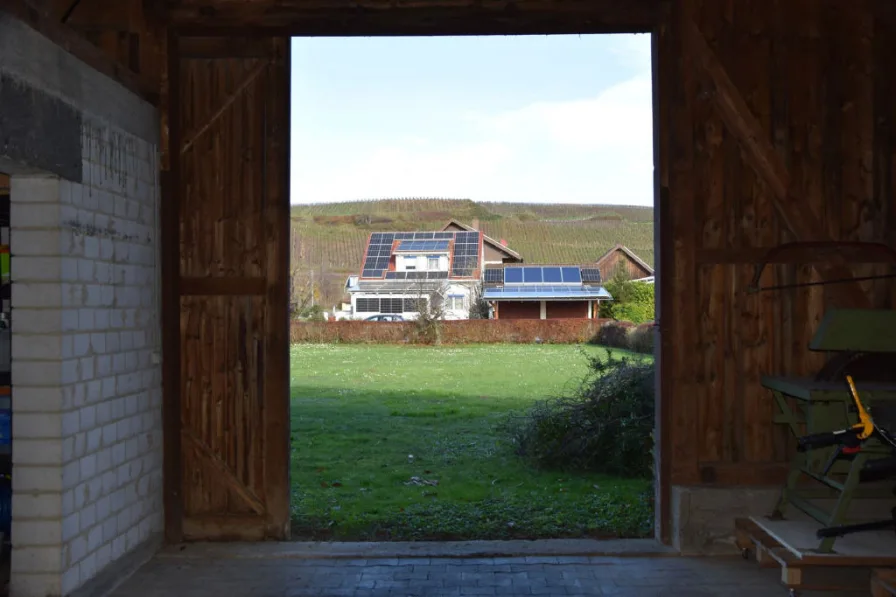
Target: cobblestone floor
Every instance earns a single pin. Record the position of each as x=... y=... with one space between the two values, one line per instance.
x=419 y=577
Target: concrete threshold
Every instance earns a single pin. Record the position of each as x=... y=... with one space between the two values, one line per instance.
x=420 y=549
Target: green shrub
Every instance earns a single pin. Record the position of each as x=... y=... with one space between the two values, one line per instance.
x=640 y=339
x=632 y=301
x=605 y=426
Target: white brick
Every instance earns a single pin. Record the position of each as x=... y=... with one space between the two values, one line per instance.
x=46 y=452
x=71 y=526
x=71 y=580
x=37 y=269
x=34 y=189
x=27 y=479
x=36 y=399
x=35 y=584
x=35 y=242
x=77 y=550
x=31 y=560
x=37 y=505
x=37 y=426
x=36 y=295
x=37 y=347
x=36 y=532
x=30 y=215
x=36 y=321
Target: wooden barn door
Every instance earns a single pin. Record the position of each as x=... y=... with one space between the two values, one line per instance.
x=229 y=127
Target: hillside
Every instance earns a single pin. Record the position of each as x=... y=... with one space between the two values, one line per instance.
x=329 y=238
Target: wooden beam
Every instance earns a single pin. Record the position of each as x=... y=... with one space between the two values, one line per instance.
x=209 y=48
x=38 y=18
x=419 y=17
x=796 y=215
x=172 y=424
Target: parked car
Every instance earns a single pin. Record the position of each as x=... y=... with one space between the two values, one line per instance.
x=385 y=318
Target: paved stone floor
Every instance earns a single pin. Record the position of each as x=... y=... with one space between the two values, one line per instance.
x=419 y=577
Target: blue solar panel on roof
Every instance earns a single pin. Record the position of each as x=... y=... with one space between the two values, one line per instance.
x=572 y=274
x=513 y=275
x=532 y=275
x=552 y=274
x=537 y=292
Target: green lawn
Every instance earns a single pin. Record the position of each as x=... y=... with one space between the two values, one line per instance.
x=368 y=419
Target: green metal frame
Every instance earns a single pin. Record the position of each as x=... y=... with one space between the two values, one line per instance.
x=807 y=406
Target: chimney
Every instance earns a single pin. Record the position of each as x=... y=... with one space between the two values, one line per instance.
x=503 y=242
x=475 y=224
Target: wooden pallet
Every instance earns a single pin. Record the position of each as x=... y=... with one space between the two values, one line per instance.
x=777 y=543
x=883 y=582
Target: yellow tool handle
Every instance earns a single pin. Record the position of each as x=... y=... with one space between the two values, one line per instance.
x=865 y=421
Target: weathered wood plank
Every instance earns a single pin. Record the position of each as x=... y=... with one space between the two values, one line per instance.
x=801 y=221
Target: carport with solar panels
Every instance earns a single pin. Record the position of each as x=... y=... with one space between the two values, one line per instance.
x=544 y=291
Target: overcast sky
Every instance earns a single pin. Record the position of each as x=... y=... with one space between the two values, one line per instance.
x=563 y=119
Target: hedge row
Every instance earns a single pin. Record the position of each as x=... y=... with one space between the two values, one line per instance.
x=472 y=331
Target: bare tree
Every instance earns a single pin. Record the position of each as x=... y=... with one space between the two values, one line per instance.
x=479 y=308
x=303 y=292
x=430 y=314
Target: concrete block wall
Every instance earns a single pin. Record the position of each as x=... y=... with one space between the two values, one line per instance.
x=87 y=432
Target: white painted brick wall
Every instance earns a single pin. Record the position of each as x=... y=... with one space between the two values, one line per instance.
x=87 y=426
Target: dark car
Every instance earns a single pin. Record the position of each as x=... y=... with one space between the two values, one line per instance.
x=385 y=318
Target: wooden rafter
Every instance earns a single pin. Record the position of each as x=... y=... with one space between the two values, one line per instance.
x=419 y=17
x=226 y=474
x=795 y=213
x=191 y=137
x=70 y=10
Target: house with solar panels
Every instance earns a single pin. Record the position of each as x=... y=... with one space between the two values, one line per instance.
x=517 y=291
x=402 y=268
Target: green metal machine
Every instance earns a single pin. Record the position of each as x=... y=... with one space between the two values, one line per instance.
x=863 y=342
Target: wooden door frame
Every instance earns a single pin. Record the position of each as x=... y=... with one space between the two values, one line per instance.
x=652 y=24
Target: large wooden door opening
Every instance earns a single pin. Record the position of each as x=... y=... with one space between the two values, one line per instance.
x=461 y=172
x=227 y=473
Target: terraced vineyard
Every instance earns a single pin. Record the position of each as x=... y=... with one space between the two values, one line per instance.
x=329 y=238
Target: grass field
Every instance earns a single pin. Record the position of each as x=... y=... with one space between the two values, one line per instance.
x=330 y=238
x=399 y=443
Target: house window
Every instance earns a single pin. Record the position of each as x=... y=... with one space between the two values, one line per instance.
x=391 y=305
x=368 y=305
x=455 y=302
x=410 y=263
x=432 y=263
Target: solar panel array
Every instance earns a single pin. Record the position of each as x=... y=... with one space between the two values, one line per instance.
x=416 y=275
x=494 y=276
x=380 y=248
x=543 y=275
x=591 y=274
x=541 y=291
x=465 y=259
x=423 y=245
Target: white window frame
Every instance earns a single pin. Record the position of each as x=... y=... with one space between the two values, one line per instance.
x=453 y=300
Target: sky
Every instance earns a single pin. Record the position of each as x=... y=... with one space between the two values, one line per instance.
x=543 y=119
